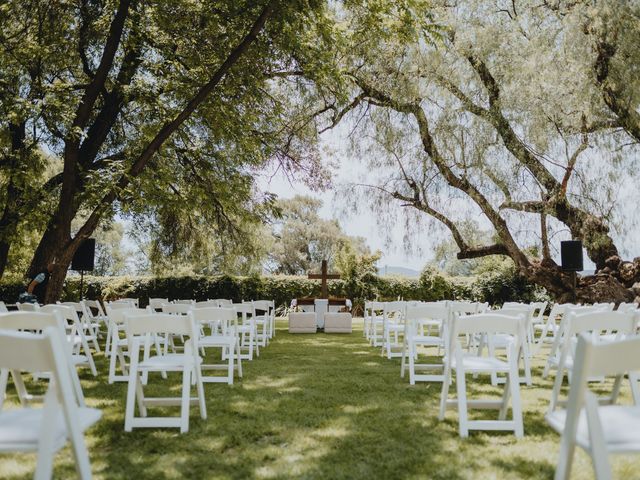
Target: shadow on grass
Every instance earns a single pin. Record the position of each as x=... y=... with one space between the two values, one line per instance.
x=311 y=406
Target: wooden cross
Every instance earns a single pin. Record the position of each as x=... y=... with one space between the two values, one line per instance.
x=324 y=292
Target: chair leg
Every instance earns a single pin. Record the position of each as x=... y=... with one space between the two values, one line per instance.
x=461 y=390
x=412 y=365
x=516 y=404
x=238 y=358
x=230 y=367
x=131 y=393
x=46 y=447
x=4 y=379
x=185 y=403
x=202 y=404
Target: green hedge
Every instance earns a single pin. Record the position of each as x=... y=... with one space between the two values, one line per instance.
x=494 y=288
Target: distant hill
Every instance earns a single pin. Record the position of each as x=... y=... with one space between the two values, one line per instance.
x=398 y=271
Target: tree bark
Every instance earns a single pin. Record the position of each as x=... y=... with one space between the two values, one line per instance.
x=10 y=216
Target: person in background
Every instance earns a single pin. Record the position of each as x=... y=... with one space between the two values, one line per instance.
x=38 y=286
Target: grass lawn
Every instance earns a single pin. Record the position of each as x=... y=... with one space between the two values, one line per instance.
x=315 y=406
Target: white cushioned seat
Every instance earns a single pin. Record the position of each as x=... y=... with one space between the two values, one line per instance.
x=24 y=426
x=302 y=322
x=339 y=322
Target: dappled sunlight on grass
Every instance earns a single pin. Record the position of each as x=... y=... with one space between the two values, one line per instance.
x=315 y=407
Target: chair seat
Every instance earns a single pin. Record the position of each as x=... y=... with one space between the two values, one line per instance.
x=24 y=427
x=550 y=328
x=620 y=424
x=427 y=340
x=166 y=362
x=217 y=341
x=501 y=340
x=473 y=363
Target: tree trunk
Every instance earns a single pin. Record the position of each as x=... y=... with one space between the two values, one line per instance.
x=10 y=217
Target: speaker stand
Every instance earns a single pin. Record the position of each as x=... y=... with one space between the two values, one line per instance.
x=81 y=285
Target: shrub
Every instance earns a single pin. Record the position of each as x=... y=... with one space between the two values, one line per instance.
x=493 y=287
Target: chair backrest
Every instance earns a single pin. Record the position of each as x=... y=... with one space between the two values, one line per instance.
x=3 y=307
x=156 y=303
x=597 y=322
x=394 y=309
x=425 y=311
x=177 y=308
x=136 y=301
x=91 y=305
x=28 y=307
x=243 y=307
x=117 y=315
x=627 y=307
x=45 y=352
x=263 y=305
x=41 y=321
x=466 y=308
x=223 y=302
x=206 y=304
x=227 y=317
x=65 y=311
x=159 y=323
x=120 y=304
x=77 y=306
x=184 y=302
x=491 y=323
x=374 y=306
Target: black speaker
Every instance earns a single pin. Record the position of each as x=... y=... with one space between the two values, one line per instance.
x=571 y=254
x=84 y=256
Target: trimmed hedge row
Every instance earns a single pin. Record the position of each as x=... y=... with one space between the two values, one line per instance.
x=494 y=288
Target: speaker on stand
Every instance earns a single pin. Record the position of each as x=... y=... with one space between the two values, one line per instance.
x=572 y=260
x=83 y=260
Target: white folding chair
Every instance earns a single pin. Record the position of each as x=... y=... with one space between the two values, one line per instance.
x=117 y=347
x=374 y=323
x=627 y=307
x=463 y=363
x=548 y=328
x=206 y=304
x=555 y=351
x=596 y=323
x=415 y=317
x=140 y=332
x=393 y=328
x=227 y=340
x=36 y=322
x=93 y=309
x=156 y=303
x=75 y=334
x=45 y=430
x=264 y=312
x=28 y=307
x=247 y=331
x=91 y=329
x=184 y=302
x=595 y=424
x=503 y=340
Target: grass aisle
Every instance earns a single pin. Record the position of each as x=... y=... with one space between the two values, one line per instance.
x=315 y=406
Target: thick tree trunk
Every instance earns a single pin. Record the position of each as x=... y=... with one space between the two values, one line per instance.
x=601 y=287
x=10 y=217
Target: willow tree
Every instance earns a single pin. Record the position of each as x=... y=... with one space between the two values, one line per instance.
x=131 y=94
x=523 y=114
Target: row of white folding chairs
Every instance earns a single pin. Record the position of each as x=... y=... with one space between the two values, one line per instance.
x=36 y=343
x=384 y=324
x=237 y=340
x=597 y=424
